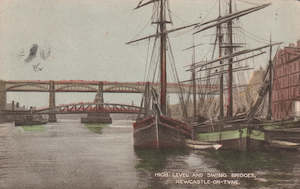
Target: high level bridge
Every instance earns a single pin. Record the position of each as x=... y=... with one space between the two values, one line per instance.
x=81 y=86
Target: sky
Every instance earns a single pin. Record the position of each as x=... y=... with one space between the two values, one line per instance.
x=87 y=39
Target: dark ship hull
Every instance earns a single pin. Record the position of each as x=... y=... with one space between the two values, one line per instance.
x=29 y=123
x=285 y=138
x=160 y=132
x=30 y=120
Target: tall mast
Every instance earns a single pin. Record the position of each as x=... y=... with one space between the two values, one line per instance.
x=163 y=60
x=230 y=76
x=194 y=83
x=269 y=116
x=220 y=39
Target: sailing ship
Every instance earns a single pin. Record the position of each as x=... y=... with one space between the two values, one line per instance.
x=157 y=129
x=232 y=131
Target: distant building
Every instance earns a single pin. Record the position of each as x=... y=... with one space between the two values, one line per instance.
x=286 y=83
x=15 y=106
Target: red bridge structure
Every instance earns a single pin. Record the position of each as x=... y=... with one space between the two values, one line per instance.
x=80 y=108
x=82 y=86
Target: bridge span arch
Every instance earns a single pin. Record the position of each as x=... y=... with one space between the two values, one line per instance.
x=90 y=107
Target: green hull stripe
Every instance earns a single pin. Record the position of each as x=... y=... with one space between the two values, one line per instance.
x=229 y=135
x=257 y=135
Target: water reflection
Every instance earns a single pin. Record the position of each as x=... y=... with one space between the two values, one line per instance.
x=152 y=161
x=96 y=127
x=271 y=168
x=156 y=160
x=236 y=161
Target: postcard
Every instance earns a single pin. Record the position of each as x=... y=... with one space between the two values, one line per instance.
x=149 y=94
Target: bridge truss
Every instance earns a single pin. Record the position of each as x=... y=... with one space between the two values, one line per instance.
x=80 y=108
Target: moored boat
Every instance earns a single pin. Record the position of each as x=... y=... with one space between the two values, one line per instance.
x=286 y=138
x=156 y=129
x=198 y=145
x=231 y=128
x=29 y=120
x=284 y=145
x=160 y=132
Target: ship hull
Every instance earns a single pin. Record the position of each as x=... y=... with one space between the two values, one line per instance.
x=234 y=135
x=30 y=120
x=234 y=139
x=160 y=132
x=29 y=123
x=287 y=138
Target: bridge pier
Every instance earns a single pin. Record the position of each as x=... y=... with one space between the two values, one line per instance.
x=52 y=115
x=3 y=99
x=2 y=95
x=98 y=117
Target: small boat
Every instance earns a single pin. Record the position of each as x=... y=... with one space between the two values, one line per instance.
x=30 y=120
x=198 y=145
x=284 y=144
x=287 y=138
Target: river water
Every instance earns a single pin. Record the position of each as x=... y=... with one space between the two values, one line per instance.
x=69 y=155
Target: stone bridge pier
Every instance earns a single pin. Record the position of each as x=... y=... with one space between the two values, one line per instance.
x=2 y=100
x=52 y=115
x=98 y=117
x=2 y=95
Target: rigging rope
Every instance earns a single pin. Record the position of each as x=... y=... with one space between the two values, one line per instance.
x=249 y=3
x=147 y=58
x=254 y=37
x=176 y=77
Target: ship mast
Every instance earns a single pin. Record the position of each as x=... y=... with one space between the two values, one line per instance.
x=163 y=59
x=220 y=39
x=230 y=76
x=269 y=115
x=194 y=83
x=161 y=33
x=229 y=57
